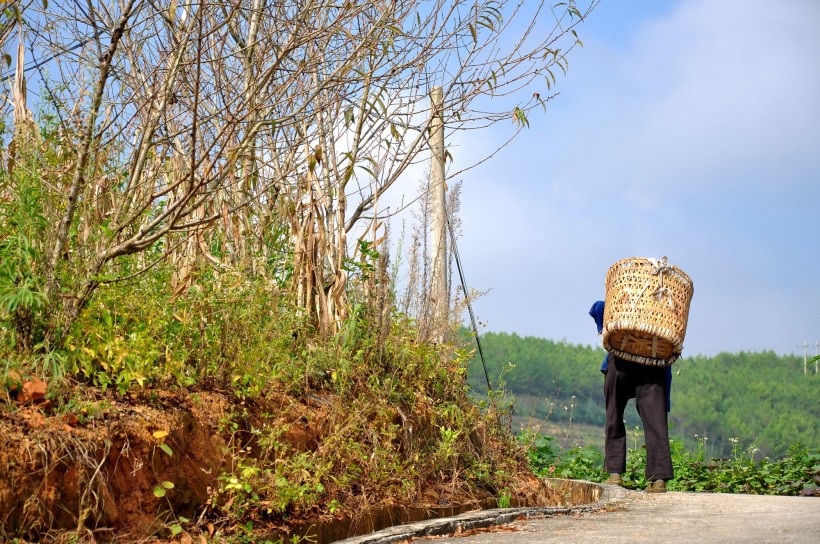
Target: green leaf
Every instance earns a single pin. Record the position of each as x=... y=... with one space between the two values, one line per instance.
x=368 y=170
x=175 y=529
x=159 y=492
x=520 y=117
x=167 y=485
x=167 y=449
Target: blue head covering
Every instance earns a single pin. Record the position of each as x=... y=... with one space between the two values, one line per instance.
x=597 y=313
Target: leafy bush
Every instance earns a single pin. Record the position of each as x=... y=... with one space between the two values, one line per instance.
x=742 y=473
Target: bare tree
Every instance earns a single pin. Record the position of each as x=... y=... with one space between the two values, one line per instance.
x=196 y=125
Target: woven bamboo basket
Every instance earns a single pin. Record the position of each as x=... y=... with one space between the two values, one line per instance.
x=646 y=312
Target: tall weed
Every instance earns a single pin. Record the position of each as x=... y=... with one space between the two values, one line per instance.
x=22 y=232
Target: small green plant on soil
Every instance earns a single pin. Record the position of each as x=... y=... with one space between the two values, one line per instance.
x=547 y=459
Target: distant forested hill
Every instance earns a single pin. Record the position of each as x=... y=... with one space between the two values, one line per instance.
x=759 y=398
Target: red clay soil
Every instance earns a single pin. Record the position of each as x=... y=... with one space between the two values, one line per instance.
x=95 y=470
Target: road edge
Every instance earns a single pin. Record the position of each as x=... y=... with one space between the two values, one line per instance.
x=608 y=497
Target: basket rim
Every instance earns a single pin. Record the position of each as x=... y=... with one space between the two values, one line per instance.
x=651 y=261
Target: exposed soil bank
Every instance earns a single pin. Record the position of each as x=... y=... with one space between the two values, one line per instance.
x=129 y=469
x=96 y=469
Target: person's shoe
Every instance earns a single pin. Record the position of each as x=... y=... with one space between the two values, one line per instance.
x=658 y=486
x=614 y=479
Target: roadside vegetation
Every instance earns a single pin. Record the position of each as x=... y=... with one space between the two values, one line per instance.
x=743 y=471
x=306 y=427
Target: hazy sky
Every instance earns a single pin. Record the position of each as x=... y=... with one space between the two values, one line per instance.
x=689 y=129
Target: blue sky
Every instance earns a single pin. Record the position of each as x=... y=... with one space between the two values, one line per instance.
x=688 y=129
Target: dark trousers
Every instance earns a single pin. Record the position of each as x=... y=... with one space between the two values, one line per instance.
x=647 y=385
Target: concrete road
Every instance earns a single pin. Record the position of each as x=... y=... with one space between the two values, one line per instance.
x=670 y=518
x=624 y=516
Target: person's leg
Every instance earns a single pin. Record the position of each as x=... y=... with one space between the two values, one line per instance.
x=616 y=394
x=650 y=397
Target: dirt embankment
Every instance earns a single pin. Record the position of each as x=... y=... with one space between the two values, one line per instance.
x=130 y=468
x=97 y=467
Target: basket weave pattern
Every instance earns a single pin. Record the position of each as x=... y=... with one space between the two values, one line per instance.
x=646 y=312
